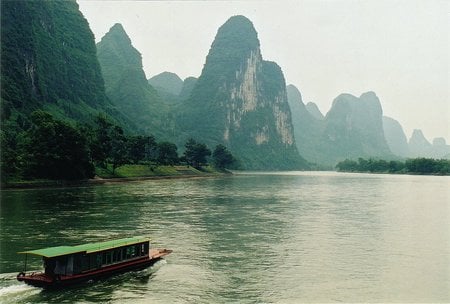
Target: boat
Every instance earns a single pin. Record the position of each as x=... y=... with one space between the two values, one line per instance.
x=69 y=265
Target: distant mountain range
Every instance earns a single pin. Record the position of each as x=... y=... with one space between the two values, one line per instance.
x=50 y=61
x=352 y=128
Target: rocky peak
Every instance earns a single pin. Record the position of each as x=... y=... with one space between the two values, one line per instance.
x=167 y=81
x=241 y=97
x=294 y=95
x=116 y=45
x=417 y=138
x=355 y=125
x=395 y=137
x=419 y=146
x=313 y=109
x=125 y=81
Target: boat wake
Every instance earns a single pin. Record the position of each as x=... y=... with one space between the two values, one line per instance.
x=17 y=293
x=12 y=291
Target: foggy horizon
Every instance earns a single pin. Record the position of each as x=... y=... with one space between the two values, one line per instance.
x=399 y=50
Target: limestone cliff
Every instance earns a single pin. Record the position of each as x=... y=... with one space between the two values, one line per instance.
x=240 y=100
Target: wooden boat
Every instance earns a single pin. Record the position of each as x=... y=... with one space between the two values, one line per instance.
x=68 y=265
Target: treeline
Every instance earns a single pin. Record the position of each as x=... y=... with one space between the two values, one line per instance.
x=410 y=166
x=54 y=149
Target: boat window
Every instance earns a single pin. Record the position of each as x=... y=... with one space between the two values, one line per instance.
x=116 y=255
x=109 y=257
x=99 y=260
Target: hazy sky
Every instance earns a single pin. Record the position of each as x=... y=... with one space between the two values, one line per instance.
x=398 y=49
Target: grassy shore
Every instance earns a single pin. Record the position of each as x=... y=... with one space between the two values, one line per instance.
x=122 y=174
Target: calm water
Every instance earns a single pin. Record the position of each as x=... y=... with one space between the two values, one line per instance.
x=272 y=238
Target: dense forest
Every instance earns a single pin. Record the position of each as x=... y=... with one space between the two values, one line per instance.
x=55 y=149
x=410 y=166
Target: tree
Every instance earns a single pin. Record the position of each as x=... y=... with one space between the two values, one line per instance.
x=9 y=153
x=119 y=152
x=137 y=148
x=222 y=158
x=151 y=149
x=56 y=150
x=167 y=153
x=101 y=140
x=196 y=153
x=347 y=165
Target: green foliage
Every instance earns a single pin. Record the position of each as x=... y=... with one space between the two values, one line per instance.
x=413 y=166
x=140 y=148
x=196 y=153
x=56 y=150
x=222 y=158
x=101 y=140
x=167 y=153
x=48 y=57
x=119 y=148
x=127 y=86
x=11 y=152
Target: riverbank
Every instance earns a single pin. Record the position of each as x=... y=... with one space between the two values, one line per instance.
x=127 y=173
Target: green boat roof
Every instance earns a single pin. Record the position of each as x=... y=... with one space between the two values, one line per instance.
x=88 y=248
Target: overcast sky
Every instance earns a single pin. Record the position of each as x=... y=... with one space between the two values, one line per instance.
x=398 y=49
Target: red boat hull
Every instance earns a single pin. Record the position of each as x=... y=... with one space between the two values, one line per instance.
x=58 y=281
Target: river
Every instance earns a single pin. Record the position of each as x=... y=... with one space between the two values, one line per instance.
x=284 y=237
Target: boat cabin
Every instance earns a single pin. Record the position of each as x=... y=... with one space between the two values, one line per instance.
x=73 y=260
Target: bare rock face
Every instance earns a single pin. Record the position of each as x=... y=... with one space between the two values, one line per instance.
x=240 y=100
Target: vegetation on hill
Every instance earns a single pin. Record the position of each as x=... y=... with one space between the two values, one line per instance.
x=410 y=166
x=54 y=149
x=126 y=84
x=49 y=61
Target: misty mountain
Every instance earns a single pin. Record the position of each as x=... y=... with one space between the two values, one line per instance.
x=395 y=137
x=240 y=100
x=308 y=130
x=419 y=146
x=440 y=149
x=313 y=109
x=49 y=62
x=188 y=86
x=171 y=88
x=352 y=128
x=126 y=84
x=167 y=82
